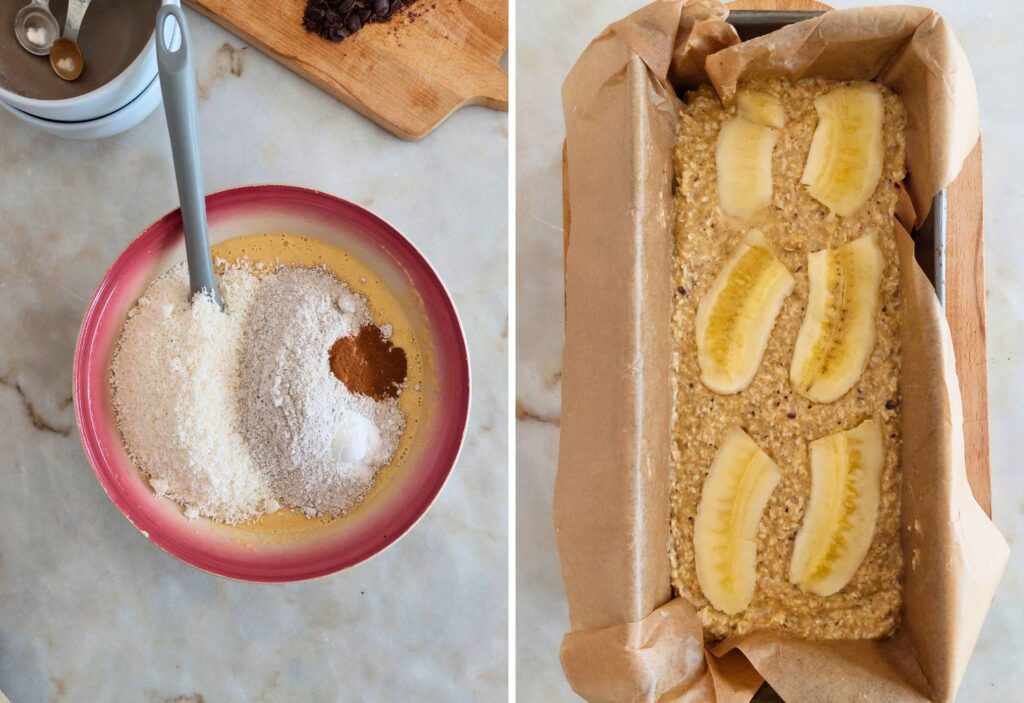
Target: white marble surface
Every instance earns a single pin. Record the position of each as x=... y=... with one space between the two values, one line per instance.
x=550 y=37
x=89 y=609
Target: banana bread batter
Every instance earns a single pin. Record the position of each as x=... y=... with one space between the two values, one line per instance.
x=779 y=420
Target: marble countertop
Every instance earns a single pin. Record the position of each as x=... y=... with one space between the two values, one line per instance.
x=550 y=38
x=89 y=609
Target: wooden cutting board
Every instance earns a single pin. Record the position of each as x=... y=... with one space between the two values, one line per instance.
x=407 y=74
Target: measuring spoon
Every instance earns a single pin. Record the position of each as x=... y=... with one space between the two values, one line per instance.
x=65 y=56
x=36 y=28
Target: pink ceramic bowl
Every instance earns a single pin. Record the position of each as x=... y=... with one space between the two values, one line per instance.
x=411 y=484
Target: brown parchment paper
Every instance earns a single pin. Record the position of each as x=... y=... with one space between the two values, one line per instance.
x=629 y=639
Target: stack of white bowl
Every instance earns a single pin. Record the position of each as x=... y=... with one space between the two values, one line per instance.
x=110 y=109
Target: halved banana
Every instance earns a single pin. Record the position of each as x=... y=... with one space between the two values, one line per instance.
x=735 y=493
x=847 y=151
x=735 y=318
x=838 y=332
x=846 y=471
x=762 y=108
x=744 y=160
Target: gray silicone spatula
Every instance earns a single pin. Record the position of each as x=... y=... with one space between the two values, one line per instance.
x=174 y=60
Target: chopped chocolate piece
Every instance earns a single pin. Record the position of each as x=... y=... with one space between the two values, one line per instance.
x=336 y=19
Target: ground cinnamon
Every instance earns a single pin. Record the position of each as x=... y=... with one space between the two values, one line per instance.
x=369 y=364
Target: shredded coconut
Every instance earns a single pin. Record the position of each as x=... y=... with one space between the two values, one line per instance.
x=237 y=413
x=175 y=386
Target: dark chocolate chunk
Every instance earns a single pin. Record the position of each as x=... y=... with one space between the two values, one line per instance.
x=336 y=19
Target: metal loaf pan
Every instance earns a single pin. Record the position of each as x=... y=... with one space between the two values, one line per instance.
x=930 y=238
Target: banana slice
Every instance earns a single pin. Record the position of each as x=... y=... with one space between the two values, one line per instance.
x=762 y=108
x=744 y=161
x=838 y=332
x=845 y=162
x=736 y=317
x=846 y=471
x=734 y=496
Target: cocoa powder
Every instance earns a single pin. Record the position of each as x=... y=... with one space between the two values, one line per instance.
x=369 y=364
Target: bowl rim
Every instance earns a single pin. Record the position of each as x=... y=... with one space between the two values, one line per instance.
x=38 y=121
x=86 y=431
x=149 y=48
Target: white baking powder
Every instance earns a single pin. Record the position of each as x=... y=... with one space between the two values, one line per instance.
x=37 y=36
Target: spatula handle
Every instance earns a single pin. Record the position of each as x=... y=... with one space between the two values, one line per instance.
x=177 y=83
